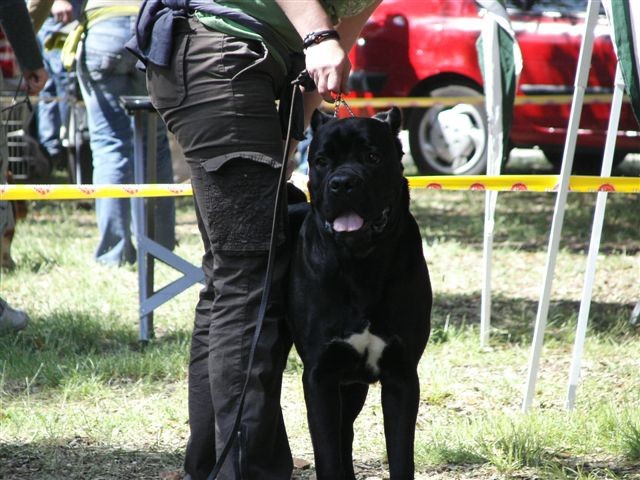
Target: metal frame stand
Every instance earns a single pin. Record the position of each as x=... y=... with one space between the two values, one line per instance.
x=148 y=250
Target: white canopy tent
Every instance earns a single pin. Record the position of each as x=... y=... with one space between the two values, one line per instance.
x=626 y=38
x=631 y=16
x=501 y=63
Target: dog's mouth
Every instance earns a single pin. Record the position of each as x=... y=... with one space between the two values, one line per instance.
x=347 y=222
x=350 y=222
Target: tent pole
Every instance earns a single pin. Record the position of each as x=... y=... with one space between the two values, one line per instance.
x=582 y=74
x=493 y=97
x=594 y=243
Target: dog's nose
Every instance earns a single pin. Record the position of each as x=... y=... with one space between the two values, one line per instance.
x=342 y=184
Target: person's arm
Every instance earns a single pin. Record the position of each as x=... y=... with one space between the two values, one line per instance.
x=17 y=25
x=326 y=62
x=39 y=11
x=349 y=29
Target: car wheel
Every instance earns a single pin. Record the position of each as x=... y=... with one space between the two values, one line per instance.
x=584 y=163
x=450 y=140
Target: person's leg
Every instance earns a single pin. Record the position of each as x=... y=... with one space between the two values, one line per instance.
x=52 y=108
x=105 y=75
x=261 y=448
x=200 y=456
x=227 y=125
x=237 y=280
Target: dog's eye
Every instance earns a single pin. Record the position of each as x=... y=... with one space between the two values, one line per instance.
x=321 y=161
x=373 y=158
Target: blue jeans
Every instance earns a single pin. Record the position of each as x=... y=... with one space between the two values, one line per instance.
x=107 y=71
x=51 y=114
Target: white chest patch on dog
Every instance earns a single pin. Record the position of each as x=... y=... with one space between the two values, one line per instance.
x=370 y=345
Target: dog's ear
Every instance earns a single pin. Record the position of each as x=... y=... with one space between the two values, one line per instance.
x=393 y=117
x=318 y=119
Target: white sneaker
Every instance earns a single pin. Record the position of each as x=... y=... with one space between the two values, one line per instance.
x=10 y=318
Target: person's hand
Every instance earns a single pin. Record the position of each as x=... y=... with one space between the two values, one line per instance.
x=329 y=66
x=35 y=80
x=62 y=11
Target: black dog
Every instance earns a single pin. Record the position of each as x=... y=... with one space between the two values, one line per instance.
x=360 y=296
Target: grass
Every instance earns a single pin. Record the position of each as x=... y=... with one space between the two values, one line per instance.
x=81 y=398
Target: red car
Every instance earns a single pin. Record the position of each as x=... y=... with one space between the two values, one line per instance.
x=8 y=62
x=412 y=48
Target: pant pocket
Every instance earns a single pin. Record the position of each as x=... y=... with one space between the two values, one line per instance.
x=240 y=198
x=166 y=86
x=242 y=55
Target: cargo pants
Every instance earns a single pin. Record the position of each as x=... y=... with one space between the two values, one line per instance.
x=218 y=97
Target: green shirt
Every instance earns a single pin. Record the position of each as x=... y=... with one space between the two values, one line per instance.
x=344 y=8
x=270 y=13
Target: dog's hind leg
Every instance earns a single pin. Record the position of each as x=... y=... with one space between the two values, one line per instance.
x=353 y=397
x=400 y=400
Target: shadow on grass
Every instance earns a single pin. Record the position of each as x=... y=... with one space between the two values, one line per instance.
x=84 y=332
x=551 y=467
x=71 y=346
x=523 y=220
x=77 y=458
x=513 y=319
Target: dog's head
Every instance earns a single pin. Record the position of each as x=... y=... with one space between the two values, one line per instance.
x=355 y=174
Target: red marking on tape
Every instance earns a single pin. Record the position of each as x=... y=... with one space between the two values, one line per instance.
x=176 y=188
x=477 y=186
x=606 y=187
x=519 y=187
x=130 y=189
x=87 y=189
x=42 y=190
x=434 y=186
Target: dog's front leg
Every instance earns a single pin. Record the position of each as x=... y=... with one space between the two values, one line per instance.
x=322 y=396
x=400 y=399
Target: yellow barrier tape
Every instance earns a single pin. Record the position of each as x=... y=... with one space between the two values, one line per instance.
x=86 y=192
x=504 y=183
x=527 y=183
x=404 y=102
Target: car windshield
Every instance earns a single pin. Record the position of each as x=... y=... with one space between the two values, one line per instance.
x=565 y=7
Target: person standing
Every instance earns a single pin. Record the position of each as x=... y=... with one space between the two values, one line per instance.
x=107 y=71
x=215 y=70
x=15 y=21
x=52 y=108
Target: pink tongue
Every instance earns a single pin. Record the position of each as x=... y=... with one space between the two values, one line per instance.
x=349 y=222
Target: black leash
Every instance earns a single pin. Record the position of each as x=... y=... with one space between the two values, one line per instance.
x=266 y=291
x=15 y=103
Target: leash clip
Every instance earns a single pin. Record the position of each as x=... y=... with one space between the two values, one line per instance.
x=339 y=100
